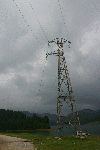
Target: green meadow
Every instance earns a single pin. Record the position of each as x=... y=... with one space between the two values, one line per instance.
x=41 y=142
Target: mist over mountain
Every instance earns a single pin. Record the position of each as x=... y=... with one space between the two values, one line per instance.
x=85 y=116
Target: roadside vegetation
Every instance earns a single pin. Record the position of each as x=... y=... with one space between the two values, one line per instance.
x=16 y=120
x=67 y=143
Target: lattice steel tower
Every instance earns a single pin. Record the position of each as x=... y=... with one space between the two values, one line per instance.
x=64 y=96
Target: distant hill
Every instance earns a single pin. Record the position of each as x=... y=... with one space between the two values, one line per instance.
x=52 y=117
x=27 y=113
x=86 y=116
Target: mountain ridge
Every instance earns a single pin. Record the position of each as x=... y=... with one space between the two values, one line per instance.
x=86 y=116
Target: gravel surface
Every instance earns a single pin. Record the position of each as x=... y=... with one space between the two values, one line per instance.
x=14 y=143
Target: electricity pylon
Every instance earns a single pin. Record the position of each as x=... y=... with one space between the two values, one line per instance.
x=63 y=96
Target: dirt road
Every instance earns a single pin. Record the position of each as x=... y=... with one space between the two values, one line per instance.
x=14 y=143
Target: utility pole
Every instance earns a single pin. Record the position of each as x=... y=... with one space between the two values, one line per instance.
x=63 y=78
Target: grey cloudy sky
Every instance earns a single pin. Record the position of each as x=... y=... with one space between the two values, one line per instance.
x=24 y=39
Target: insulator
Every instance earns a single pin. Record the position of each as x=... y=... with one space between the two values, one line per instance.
x=58 y=42
x=69 y=42
x=63 y=58
x=61 y=45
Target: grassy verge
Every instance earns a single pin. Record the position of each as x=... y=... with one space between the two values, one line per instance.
x=30 y=130
x=67 y=143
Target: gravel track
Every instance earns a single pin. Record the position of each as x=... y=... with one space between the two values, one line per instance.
x=14 y=143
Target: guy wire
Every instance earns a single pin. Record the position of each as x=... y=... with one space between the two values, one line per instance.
x=39 y=23
x=32 y=32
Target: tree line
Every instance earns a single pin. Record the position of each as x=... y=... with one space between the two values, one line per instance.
x=16 y=120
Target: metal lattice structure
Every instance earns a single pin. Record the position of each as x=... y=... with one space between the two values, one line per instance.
x=64 y=95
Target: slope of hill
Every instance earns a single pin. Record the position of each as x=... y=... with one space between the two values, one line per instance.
x=86 y=116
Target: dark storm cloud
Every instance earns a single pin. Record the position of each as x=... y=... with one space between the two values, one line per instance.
x=26 y=76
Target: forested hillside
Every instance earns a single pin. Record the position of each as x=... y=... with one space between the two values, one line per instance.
x=16 y=120
x=87 y=116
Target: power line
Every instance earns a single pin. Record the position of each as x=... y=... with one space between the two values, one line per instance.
x=63 y=79
x=69 y=47
x=39 y=22
x=33 y=34
x=63 y=19
x=26 y=21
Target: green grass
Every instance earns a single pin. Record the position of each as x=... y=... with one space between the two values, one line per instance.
x=30 y=130
x=91 y=142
